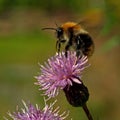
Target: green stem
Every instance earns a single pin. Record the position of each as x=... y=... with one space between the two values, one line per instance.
x=85 y=108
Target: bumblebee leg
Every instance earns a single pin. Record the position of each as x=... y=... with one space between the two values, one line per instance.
x=79 y=46
x=79 y=52
x=67 y=48
x=58 y=46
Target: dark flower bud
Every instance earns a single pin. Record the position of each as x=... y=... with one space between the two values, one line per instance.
x=77 y=94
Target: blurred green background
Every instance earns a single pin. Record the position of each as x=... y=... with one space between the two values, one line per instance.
x=23 y=45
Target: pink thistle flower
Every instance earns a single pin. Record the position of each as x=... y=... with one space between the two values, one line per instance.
x=60 y=71
x=32 y=112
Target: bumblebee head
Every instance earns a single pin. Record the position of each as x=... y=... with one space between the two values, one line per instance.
x=67 y=29
x=60 y=34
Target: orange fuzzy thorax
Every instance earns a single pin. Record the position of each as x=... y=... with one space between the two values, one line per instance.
x=73 y=25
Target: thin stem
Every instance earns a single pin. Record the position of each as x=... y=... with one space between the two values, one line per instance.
x=85 y=108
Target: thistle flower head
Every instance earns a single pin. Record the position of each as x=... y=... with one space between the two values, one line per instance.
x=60 y=71
x=32 y=112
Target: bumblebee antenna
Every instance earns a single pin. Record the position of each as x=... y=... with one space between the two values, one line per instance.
x=49 y=28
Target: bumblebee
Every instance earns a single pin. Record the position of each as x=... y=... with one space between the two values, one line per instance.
x=74 y=36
